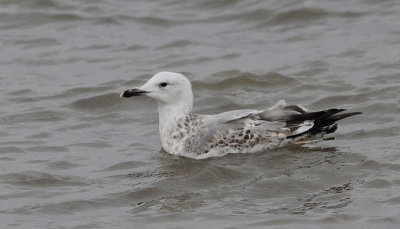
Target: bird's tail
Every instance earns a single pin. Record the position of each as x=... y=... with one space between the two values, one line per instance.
x=324 y=122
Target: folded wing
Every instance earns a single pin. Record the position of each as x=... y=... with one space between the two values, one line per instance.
x=278 y=124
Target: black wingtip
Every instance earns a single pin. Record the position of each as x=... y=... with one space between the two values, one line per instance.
x=342 y=116
x=325 y=121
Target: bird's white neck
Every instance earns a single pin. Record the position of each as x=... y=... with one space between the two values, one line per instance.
x=171 y=119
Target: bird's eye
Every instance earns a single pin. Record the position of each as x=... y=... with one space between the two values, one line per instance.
x=163 y=84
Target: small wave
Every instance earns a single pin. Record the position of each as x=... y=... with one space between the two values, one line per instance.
x=211 y=4
x=298 y=16
x=124 y=165
x=37 y=4
x=361 y=96
x=24 y=100
x=135 y=47
x=148 y=20
x=142 y=194
x=61 y=165
x=68 y=207
x=216 y=175
x=84 y=90
x=39 y=179
x=105 y=101
x=385 y=78
x=378 y=183
x=20 y=92
x=11 y=149
x=106 y=21
x=91 y=144
x=303 y=16
x=177 y=44
x=34 y=43
x=186 y=61
x=77 y=91
x=138 y=80
x=60 y=207
x=373 y=132
x=370 y=165
x=235 y=78
x=97 y=47
x=37 y=116
x=383 y=220
x=52 y=149
x=395 y=200
x=25 y=20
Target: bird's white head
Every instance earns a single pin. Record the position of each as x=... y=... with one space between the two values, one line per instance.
x=168 y=89
x=173 y=93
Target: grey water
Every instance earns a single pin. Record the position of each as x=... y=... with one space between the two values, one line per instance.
x=73 y=154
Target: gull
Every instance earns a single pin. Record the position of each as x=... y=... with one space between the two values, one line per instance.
x=198 y=136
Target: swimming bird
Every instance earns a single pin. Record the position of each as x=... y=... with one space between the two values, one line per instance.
x=185 y=133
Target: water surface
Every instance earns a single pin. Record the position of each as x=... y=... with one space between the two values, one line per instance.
x=75 y=155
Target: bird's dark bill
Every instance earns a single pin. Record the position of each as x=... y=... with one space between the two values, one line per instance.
x=133 y=92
